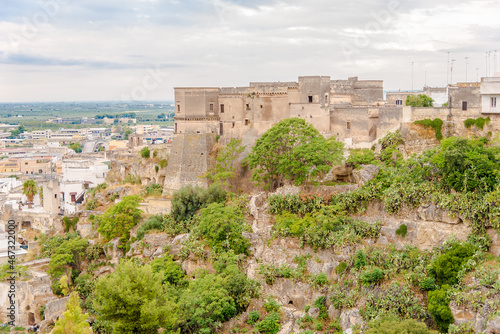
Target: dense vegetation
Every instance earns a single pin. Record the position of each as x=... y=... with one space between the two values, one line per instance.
x=395 y=288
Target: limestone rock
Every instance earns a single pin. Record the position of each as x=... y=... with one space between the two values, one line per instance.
x=103 y=270
x=493 y=326
x=313 y=312
x=113 y=251
x=365 y=174
x=350 y=318
x=431 y=213
x=55 y=308
x=333 y=313
x=176 y=245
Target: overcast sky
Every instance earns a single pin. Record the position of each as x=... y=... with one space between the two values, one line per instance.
x=78 y=50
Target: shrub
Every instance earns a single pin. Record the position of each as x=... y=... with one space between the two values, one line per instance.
x=145 y=153
x=464 y=328
x=435 y=124
x=319 y=280
x=360 y=259
x=340 y=268
x=439 y=308
x=478 y=122
x=154 y=189
x=70 y=223
x=221 y=226
x=154 y=222
x=271 y=305
x=420 y=100
x=91 y=204
x=320 y=303
x=132 y=179
x=394 y=325
x=270 y=324
x=253 y=317
x=163 y=163
x=428 y=284
x=362 y=156
x=187 y=200
x=445 y=268
x=372 y=276
x=401 y=231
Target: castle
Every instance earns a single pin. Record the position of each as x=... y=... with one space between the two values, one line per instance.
x=352 y=110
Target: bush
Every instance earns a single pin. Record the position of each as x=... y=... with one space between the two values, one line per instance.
x=340 y=269
x=401 y=231
x=270 y=324
x=221 y=226
x=394 y=325
x=271 y=305
x=360 y=259
x=154 y=189
x=435 y=124
x=70 y=223
x=187 y=200
x=464 y=328
x=439 y=308
x=361 y=156
x=154 y=222
x=478 y=122
x=445 y=268
x=145 y=153
x=428 y=284
x=372 y=276
x=253 y=317
x=132 y=179
x=319 y=280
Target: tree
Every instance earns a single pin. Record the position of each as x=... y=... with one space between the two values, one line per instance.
x=294 y=150
x=17 y=132
x=439 y=308
x=67 y=257
x=187 y=200
x=467 y=164
x=145 y=153
x=127 y=133
x=73 y=320
x=76 y=147
x=225 y=168
x=30 y=190
x=120 y=218
x=222 y=226
x=421 y=100
x=134 y=299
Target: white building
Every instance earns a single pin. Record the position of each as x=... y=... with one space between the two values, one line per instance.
x=490 y=94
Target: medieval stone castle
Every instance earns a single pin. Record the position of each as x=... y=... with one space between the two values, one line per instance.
x=352 y=110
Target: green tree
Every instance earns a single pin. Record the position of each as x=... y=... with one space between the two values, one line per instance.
x=205 y=303
x=17 y=132
x=187 y=200
x=120 y=218
x=145 y=153
x=294 y=150
x=73 y=320
x=76 y=147
x=445 y=267
x=222 y=226
x=420 y=100
x=127 y=133
x=225 y=169
x=439 y=308
x=134 y=299
x=67 y=257
x=170 y=270
x=467 y=164
x=30 y=190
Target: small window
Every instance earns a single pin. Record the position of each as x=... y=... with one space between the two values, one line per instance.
x=233 y=125
x=261 y=106
x=25 y=163
x=464 y=105
x=179 y=108
x=55 y=195
x=326 y=98
x=248 y=106
x=310 y=99
x=348 y=125
x=211 y=107
x=221 y=108
x=247 y=121
x=493 y=102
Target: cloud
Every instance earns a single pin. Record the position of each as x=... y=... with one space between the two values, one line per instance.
x=233 y=42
